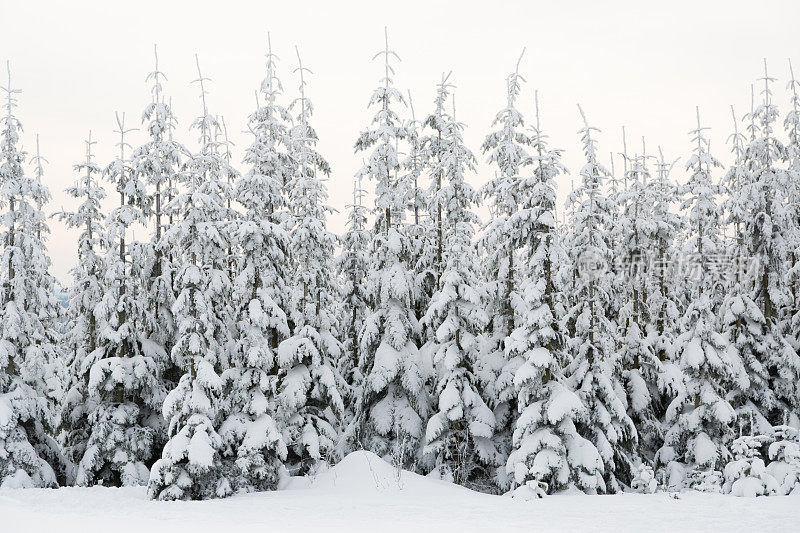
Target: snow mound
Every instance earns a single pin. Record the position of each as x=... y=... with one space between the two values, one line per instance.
x=365 y=493
x=363 y=471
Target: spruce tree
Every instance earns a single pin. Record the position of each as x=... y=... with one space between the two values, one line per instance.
x=309 y=390
x=394 y=404
x=458 y=436
x=125 y=379
x=791 y=125
x=82 y=343
x=595 y=369
x=353 y=267
x=548 y=454
x=261 y=286
x=767 y=233
x=433 y=148
x=742 y=319
x=419 y=254
x=157 y=164
x=508 y=149
x=29 y=457
x=647 y=230
x=191 y=465
x=700 y=416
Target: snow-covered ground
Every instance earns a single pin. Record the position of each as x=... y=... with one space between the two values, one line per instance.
x=363 y=493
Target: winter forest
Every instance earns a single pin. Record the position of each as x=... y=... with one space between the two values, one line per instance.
x=218 y=339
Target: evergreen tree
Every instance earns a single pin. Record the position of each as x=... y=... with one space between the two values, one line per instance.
x=792 y=126
x=418 y=255
x=742 y=319
x=261 y=284
x=156 y=164
x=767 y=234
x=433 y=148
x=548 y=454
x=394 y=403
x=458 y=436
x=595 y=368
x=507 y=148
x=353 y=267
x=82 y=343
x=647 y=229
x=191 y=465
x=701 y=417
x=309 y=397
x=29 y=353
x=125 y=379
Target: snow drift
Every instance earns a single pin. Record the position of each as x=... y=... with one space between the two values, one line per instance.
x=364 y=493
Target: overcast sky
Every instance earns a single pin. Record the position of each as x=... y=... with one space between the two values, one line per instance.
x=626 y=63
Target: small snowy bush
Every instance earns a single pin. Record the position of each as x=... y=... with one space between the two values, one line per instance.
x=747 y=475
x=784 y=455
x=645 y=480
x=705 y=480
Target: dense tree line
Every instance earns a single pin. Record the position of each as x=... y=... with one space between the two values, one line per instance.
x=645 y=336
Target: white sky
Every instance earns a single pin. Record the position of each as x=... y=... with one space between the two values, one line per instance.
x=626 y=63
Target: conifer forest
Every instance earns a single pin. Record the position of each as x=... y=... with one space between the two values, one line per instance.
x=217 y=338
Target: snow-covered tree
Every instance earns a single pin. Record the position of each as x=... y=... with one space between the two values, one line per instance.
x=595 y=369
x=394 y=403
x=766 y=229
x=261 y=288
x=309 y=392
x=29 y=353
x=700 y=416
x=458 y=435
x=125 y=388
x=747 y=475
x=644 y=232
x=742 y=319
x=784 y=455
x=353 y=267
x=792 y=156
x=82 y=339
x=191 y=465
x=507 y=148
x=433 y=148
x=548 y=454
x=419 y=254
x=156 y=164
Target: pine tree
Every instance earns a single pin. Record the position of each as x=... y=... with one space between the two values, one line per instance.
x=742 y=319
x=125 y=380
x=353 y=267
x=29 y=457
x=701 y=417
x=261 y=285
x=433 y=148
x=595 y=368
x=309 y=397
x=498 y=245
x=548 y=454
x=766 y=230
x=458 y=436
x=792 y=126
x=82 y=328
x=394 y=404
x=191 y=465
x=156 y=164
x=647 y=229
